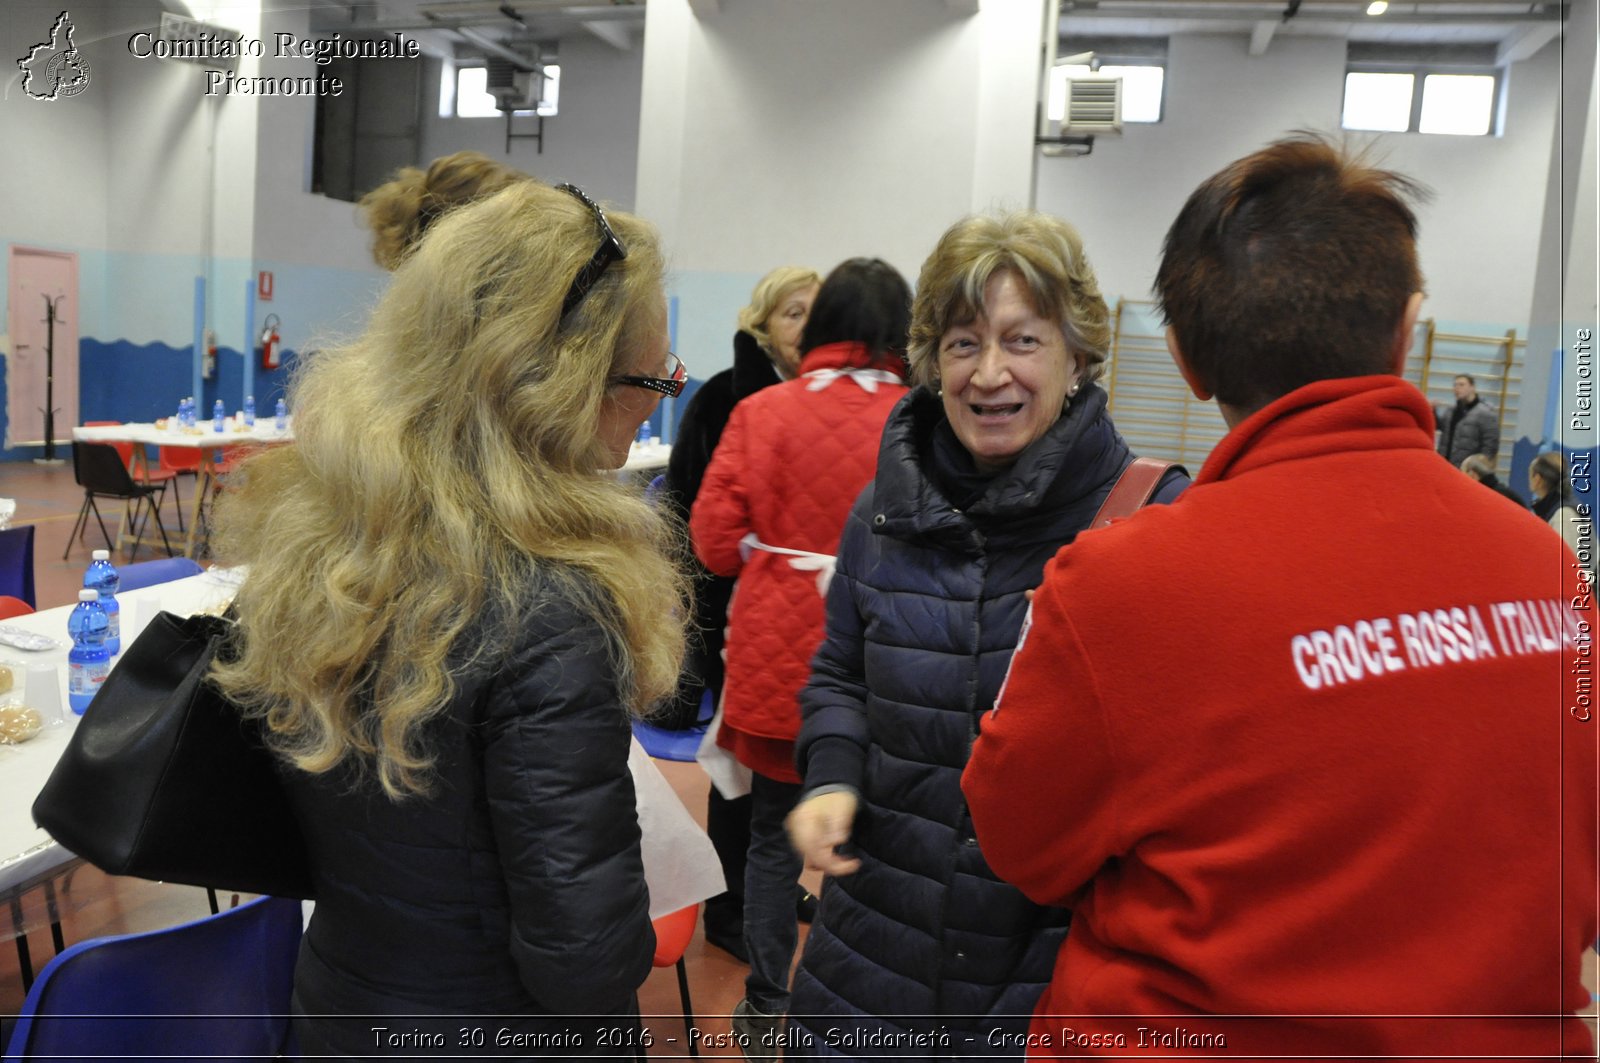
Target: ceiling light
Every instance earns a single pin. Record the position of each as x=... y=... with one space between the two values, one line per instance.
x=1377 y=7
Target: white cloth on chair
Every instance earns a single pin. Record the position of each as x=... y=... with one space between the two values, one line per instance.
x=680 y=866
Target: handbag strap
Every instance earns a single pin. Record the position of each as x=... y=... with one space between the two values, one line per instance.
x=1131 y=491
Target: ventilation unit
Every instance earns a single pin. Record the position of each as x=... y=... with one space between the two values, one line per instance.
x=515 y=88
x=1094 y=107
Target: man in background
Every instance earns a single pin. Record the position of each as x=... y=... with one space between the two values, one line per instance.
x=1310 y=785
x=1470 y=426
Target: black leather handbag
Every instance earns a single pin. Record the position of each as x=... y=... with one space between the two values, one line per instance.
x=164 y=780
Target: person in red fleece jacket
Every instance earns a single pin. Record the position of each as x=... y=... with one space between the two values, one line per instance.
x=1309 y=784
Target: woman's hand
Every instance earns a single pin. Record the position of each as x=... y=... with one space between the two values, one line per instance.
x=819 y=824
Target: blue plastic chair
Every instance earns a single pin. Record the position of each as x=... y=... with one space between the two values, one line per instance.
x=675 y=745
x=216 y=987
x=161 y=570
x=16 y=563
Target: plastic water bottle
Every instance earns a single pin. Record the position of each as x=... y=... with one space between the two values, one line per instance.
x=644 y=434
x=280 y=416
x=88 y=662
x=183 y=413
x=219 y=417
x=102 y=577
x=249 y=411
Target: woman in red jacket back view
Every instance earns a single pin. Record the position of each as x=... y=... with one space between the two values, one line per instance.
x=790 y=463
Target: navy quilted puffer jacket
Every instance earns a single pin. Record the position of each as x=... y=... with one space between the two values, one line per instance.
x=513 y=893
x=922 y=616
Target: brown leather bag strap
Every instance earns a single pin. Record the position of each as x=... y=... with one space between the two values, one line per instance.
x=1131 y=491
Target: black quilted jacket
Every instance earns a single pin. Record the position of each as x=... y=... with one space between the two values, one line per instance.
x=514 y=889
x=923 y=614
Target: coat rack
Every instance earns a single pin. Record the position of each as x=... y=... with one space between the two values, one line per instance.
x=49 y=410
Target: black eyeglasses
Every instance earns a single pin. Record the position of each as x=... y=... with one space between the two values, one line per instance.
x=609 y=251
x=670 y=386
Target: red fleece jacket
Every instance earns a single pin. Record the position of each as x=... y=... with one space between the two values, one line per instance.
x=1309 y=746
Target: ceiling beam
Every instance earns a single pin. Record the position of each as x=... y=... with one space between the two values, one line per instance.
x=493 y=47
x=1347 y=13
x=1525 y=42
x=613 y=33
x=1261 y=36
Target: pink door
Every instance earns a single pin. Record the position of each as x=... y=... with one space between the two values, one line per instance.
x=43 y=357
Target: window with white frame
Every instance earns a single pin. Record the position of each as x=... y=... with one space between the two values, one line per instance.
x=464 y=93
x=1442 y=89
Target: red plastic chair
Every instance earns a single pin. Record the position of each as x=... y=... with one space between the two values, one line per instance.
x=10 y=607
x=143 y=473
x=673 y=934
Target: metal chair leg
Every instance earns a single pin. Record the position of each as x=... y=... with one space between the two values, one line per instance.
x=688 y=1008
x=24 y=958
x=79 y=526
x=53 y=910
x=177 y=500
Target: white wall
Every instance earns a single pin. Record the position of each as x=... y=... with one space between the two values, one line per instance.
x=594 y=139
x=1565 y=283
x=777 y=132
x=1479 y=234
x=55 y=176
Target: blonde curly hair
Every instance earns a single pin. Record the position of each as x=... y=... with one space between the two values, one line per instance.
x=400 y=210
x=1044 y=251
x=443 y=463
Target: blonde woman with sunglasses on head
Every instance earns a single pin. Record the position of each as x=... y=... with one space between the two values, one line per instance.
x=451 y=614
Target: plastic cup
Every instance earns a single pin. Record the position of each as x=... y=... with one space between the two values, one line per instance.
x=42 y=692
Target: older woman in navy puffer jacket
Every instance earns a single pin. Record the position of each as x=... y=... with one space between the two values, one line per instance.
x=1001 y=457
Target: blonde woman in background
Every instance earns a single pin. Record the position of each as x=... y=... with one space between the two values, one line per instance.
x=766 y=349
x=450 y=617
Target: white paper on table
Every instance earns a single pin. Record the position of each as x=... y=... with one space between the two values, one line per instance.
x=680 y=866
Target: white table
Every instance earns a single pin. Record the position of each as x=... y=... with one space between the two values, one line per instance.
x=647 y=457
x=25 y=850
x=203 y=438
x=29 y=857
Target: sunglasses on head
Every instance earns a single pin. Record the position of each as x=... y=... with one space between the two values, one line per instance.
x=609 y=251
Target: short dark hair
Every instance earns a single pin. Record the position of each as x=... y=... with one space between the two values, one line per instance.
x=1465 y=376
x=1291 y=265
x=1551 y=467
x=864 y=300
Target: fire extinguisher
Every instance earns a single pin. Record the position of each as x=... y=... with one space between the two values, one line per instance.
x=269 y=343
x=208 y=363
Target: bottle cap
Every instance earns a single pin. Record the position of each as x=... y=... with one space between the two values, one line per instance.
x=101 y=555
x=88 y=595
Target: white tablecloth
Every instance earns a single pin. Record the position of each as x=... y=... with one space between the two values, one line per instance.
x=204 y=438
x=681 y=867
